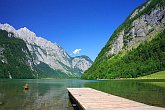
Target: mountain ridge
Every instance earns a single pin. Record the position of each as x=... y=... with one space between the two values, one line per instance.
x=44 y=51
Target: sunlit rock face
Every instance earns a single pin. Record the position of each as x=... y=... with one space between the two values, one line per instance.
x=82 y=63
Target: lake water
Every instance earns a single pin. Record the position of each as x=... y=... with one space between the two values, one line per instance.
x=52 y=94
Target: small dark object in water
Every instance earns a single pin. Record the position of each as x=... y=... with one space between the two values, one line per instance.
x=1 y=103
x=26 y=87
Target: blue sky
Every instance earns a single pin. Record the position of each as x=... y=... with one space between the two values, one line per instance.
x=73 y=24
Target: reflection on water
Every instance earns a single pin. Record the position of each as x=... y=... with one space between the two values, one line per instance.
x=52 y=94
x=41 y=95
x=144 y=91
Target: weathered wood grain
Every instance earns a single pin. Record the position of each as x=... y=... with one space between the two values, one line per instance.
x=91 y=99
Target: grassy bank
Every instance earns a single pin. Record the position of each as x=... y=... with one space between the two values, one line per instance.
x=158 y=75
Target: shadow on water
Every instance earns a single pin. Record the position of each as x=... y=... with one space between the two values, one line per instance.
x=138 y=90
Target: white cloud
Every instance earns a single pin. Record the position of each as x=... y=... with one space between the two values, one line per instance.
x=76 y=51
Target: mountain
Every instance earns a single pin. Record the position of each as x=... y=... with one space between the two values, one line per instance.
x=15 y=58
x=81 y=63
x=137 y=46
x=49 y=58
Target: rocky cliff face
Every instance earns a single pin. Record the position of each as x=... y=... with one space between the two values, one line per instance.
x=47 y=52
x=140 y=28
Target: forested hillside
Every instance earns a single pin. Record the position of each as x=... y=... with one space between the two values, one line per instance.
x=148 y=58
x=136 y=48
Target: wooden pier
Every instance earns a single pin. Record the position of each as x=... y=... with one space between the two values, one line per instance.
x=91 y=99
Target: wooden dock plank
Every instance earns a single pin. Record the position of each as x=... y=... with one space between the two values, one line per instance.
x=91 y=99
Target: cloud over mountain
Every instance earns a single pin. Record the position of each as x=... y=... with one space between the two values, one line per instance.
x=77 y=51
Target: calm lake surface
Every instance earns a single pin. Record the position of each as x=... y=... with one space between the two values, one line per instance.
x=52 y=94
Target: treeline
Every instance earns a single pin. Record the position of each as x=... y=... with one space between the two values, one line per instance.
x=147 y=58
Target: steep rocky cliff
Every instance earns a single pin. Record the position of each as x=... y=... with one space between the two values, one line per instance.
x=146 y=21
x=48 y=56
x=142 y=27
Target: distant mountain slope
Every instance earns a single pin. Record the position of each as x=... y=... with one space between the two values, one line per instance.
x=47 y=57
x=136 y=47
x=81 y=63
